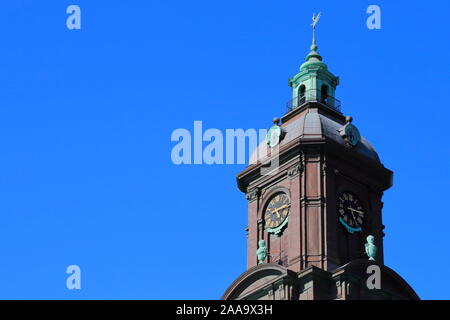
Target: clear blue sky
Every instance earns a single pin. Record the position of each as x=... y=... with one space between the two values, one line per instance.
x=86 y=117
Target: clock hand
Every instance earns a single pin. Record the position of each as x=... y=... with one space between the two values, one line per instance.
x=276 y=212
x=278 y=209
x=352 y=216
x=354 y=210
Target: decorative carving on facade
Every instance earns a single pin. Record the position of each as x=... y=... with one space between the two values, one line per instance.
x=295 y=170
x=253 y=194
x=324 y=169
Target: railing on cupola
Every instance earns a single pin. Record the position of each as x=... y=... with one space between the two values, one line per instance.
x=314 y=95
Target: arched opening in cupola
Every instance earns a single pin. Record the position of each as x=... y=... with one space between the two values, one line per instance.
x=301 y=94
x=324 y=94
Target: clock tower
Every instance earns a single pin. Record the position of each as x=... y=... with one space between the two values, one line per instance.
x=313 y=216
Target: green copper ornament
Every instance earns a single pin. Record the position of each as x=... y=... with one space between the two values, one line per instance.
x=275 y=134
x=371 y=248
x=350 y=133
x=261 y=253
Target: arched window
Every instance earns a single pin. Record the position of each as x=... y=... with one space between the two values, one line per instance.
x=301 y=94
x=324 y=94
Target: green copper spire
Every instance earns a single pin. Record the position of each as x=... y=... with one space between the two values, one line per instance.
x=314 y=82
x=314 y=55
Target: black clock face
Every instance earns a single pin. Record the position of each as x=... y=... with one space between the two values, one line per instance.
x=277 y=211
x=351 y=212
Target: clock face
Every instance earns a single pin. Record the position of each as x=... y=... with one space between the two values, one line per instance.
x=277 y=212
x=351 y=212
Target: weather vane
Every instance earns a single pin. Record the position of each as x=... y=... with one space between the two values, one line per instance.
x=315 y=19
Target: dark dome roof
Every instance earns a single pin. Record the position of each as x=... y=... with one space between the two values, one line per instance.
x=313 y=125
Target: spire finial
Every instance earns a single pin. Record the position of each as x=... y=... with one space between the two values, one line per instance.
x=315 y=19
x=314 y=55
